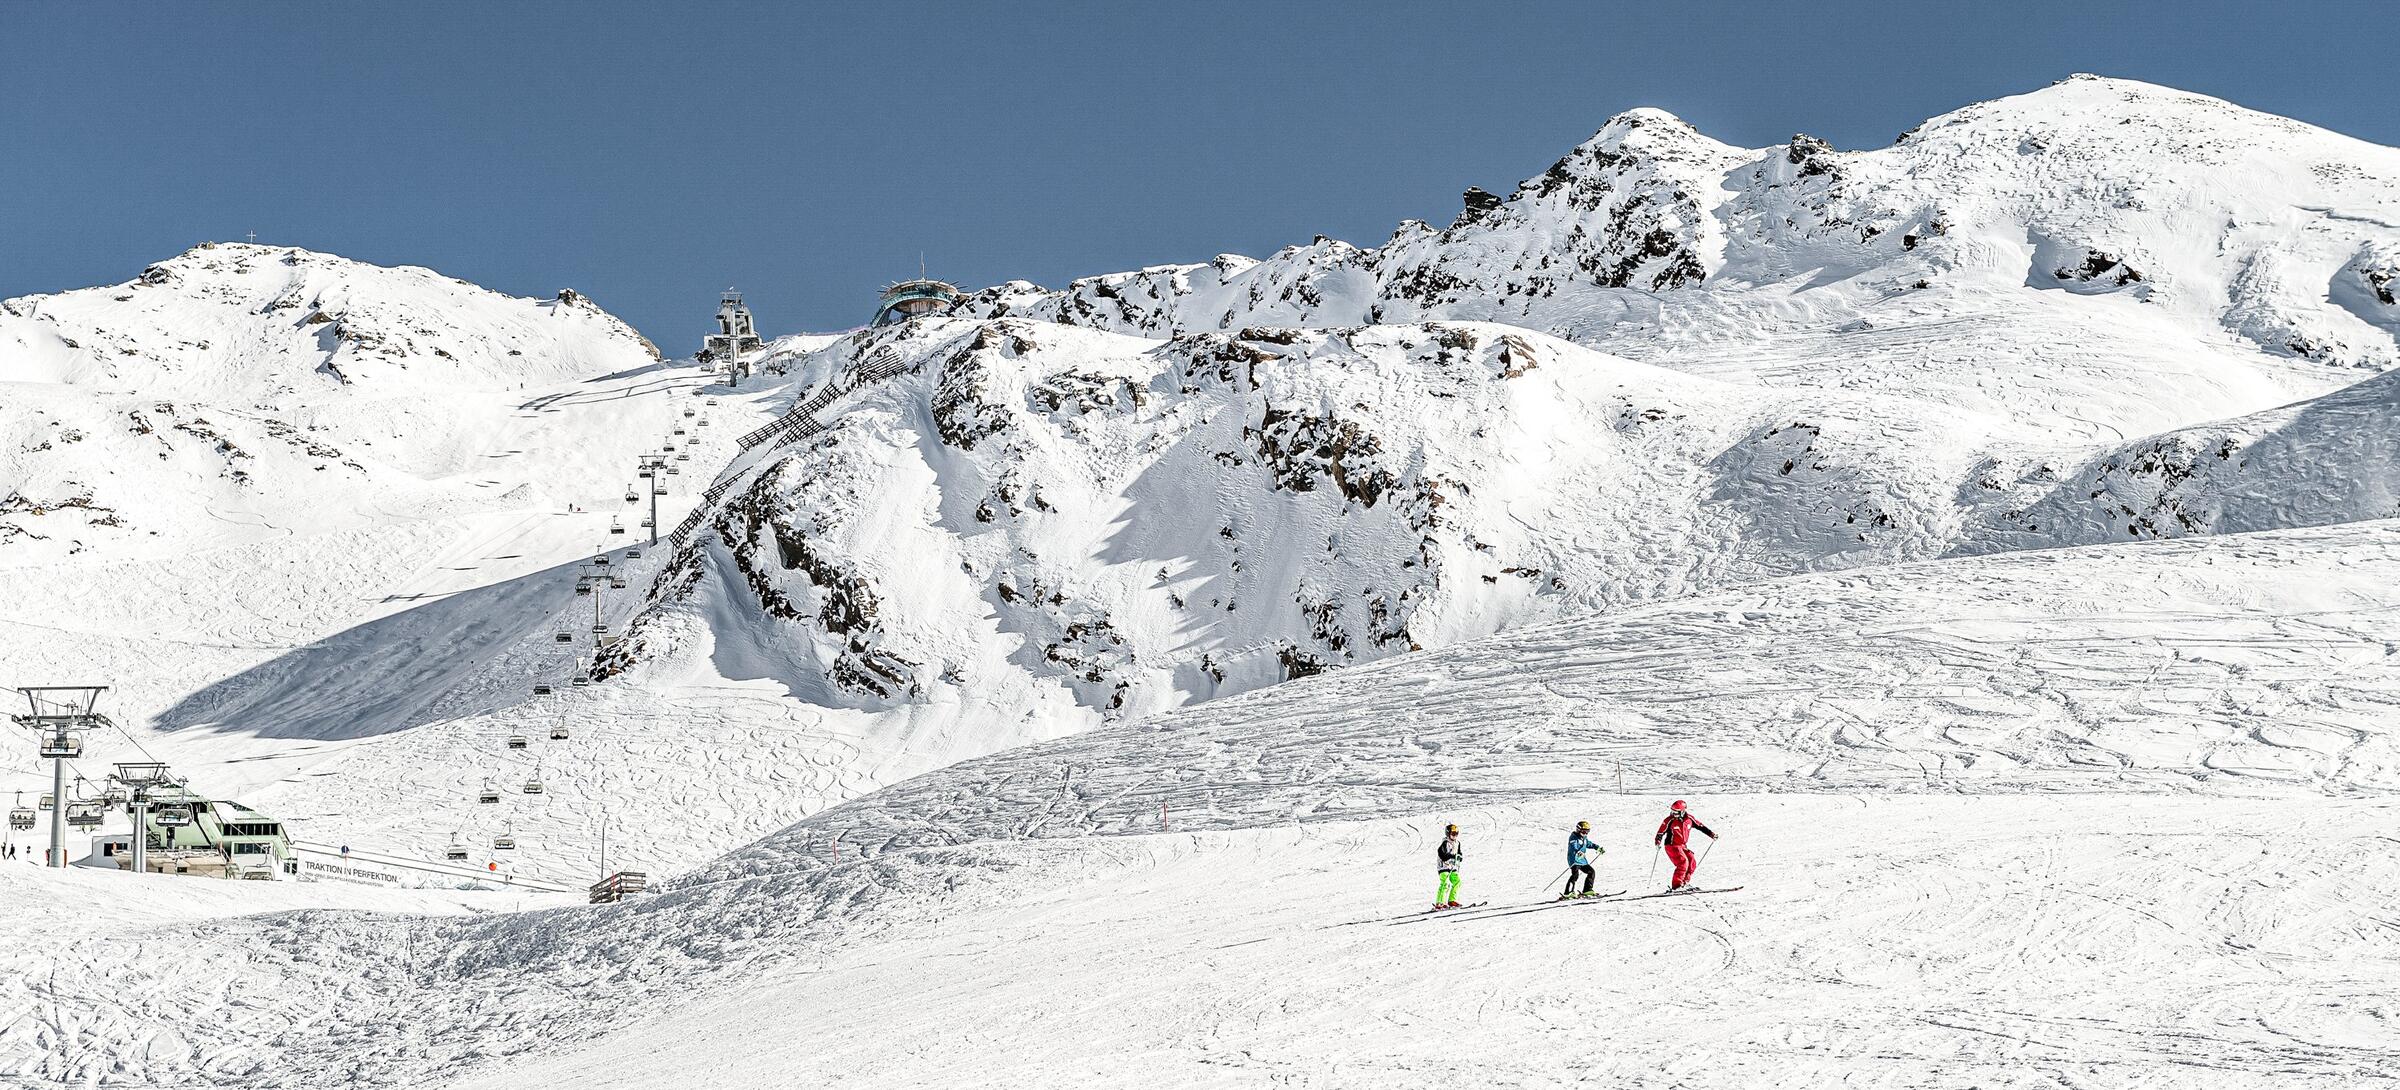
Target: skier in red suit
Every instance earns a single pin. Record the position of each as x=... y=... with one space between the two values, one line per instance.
x=1672 y=833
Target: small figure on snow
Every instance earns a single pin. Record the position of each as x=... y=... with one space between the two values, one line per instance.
x=1672 y=834
x=1580 y=850
x=1446 y=860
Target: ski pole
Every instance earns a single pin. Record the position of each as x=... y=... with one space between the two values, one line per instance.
x=1654 y=850
x=1546 y=885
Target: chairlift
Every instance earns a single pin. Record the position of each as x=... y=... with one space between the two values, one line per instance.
x=600 y=628
x=712 y=402
x=674 y=472
x=541 y=688
x=703 y=422
x=670 y=447
x=85 y=814
x=516 y=741
x=580 y=680
x=558 y=733
x=534 y=785
x=20 y=817
x=49 y=802
x=659 y=489
x=636 y=553
x=488 y=795
x=614 y=526
x=632 y=496
x=646 y=524
x=113 y=798
x=679 y=458
x=456 y=852
x=61 y=744
x=616 y=582
x=171 y=815
x=645 y=473
x=601 y=561
x=583 y=589
x=505 y=842
x=680 y=431
x=565 y=636
x=687 y=411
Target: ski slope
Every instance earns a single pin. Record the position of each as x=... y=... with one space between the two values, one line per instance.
x=2109 y=814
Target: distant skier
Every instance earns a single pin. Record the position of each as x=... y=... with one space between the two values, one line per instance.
x=1672 y=833
x=1580 y=850
x=1446 y=860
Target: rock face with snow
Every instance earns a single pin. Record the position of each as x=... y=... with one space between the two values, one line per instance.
x=235 y=380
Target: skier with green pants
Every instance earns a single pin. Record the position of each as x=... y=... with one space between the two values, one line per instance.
x=1446 y=860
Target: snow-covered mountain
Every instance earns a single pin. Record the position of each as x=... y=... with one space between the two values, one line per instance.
x=1663 y=367
x=2234 y=244
x=228 y=393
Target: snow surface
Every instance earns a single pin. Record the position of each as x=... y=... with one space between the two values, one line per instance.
x=1993 y=532
x=2092 y=815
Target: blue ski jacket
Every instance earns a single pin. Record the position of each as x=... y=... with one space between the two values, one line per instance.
x=1580 y=849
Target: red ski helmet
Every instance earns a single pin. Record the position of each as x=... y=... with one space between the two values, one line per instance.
x=1678 y=805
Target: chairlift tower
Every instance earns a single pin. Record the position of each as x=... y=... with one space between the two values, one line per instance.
x=60 y=716
x=736 y=334
x=138 y=778
x=652 y=465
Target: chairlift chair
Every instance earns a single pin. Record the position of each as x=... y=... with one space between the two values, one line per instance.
x=581 y=680
x=583 y=589
x=712 y=402
x=565 y=636
x=456 y=852
x=62 y=744
x=488 y=795
x=21 y=816
x=505 y=842
x=680 y=431
x=632 y=496
x=703 y=422
x=85 y=814
x=516 y=741
x=541 y=688
x=636 y=553
x=674 y=472
x=113 y=798
x=601 y=561
x=600 y=629
x=533 y=786
x=170 y=815
x=558 y=733
x=616 y=582
x=49 y=802
x=614 y=526
x=683 y=457
x=687 y=411
x=645 y=473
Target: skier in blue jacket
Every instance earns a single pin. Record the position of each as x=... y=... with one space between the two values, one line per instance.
x=1580 y=850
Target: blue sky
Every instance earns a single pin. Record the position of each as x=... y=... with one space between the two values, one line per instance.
x=652 y=154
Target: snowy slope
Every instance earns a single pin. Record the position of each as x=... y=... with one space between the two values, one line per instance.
x=2003 y=820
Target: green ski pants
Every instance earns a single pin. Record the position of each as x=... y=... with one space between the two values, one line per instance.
x=1448 y=890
